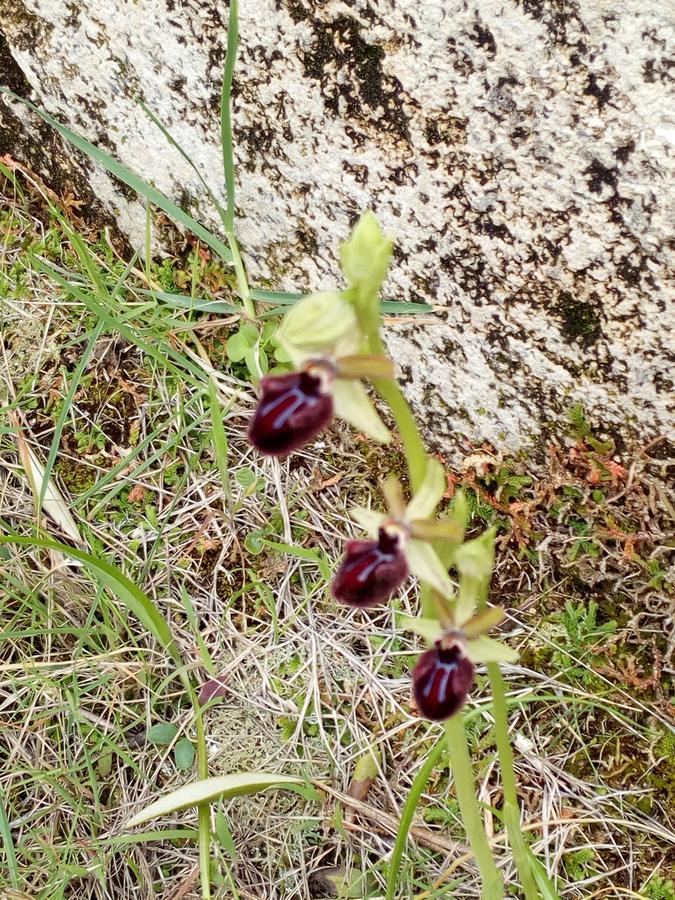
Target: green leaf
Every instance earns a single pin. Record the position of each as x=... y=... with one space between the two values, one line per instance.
x=484 y=650
x=250 y=332
x=352 y=403
x=246 y=477
x=237 y=346
x=184 y=754
x=254 y=542
x=281 y=355
x=209 y=789
x=257 y=362
x=391 y=307
x=224 y=834
x=430 y=493
x=162 y=733
x=104 y=764
x=131 y=179
x=430 y=629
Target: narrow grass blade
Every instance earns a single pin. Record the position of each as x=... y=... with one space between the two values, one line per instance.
x=8 y=844
x=209 y=789
x=162 y=354
x=174 y=143
x=220 y=445
x=130 y=178
x=160 y=834
x=192 y=304
x=65 y=409
x=281 y=298
x=226 y=112
x=407 y=813
x=390 y=307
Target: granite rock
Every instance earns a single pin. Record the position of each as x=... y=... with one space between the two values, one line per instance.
x=521 y=152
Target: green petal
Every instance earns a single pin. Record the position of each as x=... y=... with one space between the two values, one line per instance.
x=321 y=324
x=429 y=629
x=484 y=650
x=424 y=563
x=430 y=493
x=353 y=404
x=369 y=519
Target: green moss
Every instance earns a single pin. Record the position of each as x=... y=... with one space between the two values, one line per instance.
x=75 y=476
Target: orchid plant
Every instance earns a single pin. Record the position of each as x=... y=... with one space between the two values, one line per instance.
x=333 y=340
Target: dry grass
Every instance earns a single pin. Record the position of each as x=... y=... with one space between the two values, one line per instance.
x=310 y=685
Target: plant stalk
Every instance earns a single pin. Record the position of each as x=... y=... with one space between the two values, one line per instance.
x=416 y=458
x=240 y=272
x=204 y=810
x=468 y=804
x=391 y=393
x=517 y=841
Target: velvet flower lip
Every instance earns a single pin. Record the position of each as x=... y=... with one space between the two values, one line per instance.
x=371 y=570
x=442 y=679
x=292 y=409
x=322 y=338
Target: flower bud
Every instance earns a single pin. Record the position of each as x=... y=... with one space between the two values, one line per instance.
x=371 y=570
x=292 y=409
x=365 y=255
x=442 y=679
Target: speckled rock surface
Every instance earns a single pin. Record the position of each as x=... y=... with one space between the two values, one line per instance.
x=521 y=151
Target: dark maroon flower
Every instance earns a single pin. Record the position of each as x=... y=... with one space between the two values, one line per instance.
x=371 y=570
x=442 y=680
x=292 y=410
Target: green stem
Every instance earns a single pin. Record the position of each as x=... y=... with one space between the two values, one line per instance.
x=415 y=452
x=517 y=841
x=391 y=393
x=203 y=811
x=468 y=804
x=242 y=281
x=407 y=813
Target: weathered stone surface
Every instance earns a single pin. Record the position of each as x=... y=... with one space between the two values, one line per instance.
x=521 y=151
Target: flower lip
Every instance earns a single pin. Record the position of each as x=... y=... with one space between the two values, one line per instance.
x=442 y=678
x=371 y=570
x=293 y=408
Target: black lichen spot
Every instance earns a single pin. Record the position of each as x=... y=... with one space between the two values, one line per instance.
x=629 y=272
x=623 y=153
x=482 y=37
x=339 y=43
x=555 y=16
x=658 y=70
x=593 y=89
x=599 y=176
x=580 y=320
x=432 y=133
x=297 y=12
